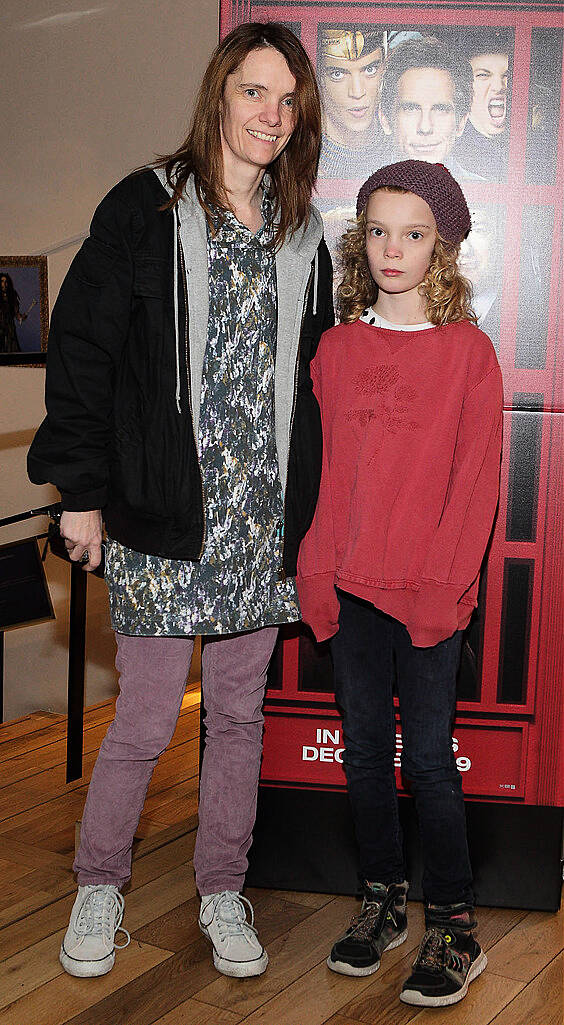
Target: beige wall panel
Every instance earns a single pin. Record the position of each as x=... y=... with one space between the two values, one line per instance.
x=94 y=92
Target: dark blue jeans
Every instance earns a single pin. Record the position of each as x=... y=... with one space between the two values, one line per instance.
x=370 y=651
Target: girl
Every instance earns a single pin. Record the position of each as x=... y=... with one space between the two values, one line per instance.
x=411 y=401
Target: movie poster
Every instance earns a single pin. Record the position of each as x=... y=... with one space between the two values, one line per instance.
x=478 y=88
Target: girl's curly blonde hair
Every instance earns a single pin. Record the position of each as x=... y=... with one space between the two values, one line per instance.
x=447 y=294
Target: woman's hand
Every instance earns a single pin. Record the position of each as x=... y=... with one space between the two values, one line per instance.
x=82 y=532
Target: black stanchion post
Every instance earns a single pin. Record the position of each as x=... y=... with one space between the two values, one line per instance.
x=75 y=692
x=77 y=625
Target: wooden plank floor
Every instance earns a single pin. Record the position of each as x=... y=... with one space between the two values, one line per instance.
x=165 y=976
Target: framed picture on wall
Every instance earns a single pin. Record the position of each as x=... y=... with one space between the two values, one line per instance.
x=24 y=310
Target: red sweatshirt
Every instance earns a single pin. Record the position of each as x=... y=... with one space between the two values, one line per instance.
x=412 y=424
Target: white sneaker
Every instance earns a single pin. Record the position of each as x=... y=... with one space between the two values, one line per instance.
x=236 y=947
x=89 y=946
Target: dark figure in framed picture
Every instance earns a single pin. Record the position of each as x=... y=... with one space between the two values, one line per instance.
x=9 y=313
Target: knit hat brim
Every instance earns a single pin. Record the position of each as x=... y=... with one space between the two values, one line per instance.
x=433 y=183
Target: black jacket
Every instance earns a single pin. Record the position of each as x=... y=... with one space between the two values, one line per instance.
x=113 y=437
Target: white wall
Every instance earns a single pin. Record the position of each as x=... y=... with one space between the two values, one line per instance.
x=89 y=94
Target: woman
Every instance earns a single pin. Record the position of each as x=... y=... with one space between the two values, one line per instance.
x=180 y=410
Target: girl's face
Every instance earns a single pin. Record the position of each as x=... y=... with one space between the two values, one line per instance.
x=400 y=238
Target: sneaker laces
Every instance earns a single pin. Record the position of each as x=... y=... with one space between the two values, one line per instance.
x=435 y=954
x=362 y=925
x=231 y=915
x=101 y=914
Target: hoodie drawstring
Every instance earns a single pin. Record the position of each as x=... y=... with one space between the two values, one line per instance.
x=176 y=244
x=315 y=280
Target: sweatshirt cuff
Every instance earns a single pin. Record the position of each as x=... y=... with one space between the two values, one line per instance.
x=319 y=604
x=85 y=501
x=436 y=616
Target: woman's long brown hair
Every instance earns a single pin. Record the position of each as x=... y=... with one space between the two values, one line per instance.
x=293 y=173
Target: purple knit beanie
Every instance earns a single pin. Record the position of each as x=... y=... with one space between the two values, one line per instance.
x=434 y=184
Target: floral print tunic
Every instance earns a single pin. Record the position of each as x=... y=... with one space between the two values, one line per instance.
x=236 y=585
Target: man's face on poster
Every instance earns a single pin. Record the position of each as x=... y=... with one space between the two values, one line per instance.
x=480 y=253
x=350 y=96
x=489 y=105
x=424 y=123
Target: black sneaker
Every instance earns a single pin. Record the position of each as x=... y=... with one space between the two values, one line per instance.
x=381 y=925
x=449 y=959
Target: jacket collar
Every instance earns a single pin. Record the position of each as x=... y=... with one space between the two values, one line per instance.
x=293 y=270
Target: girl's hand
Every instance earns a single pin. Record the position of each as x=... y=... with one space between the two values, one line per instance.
x=82 y=532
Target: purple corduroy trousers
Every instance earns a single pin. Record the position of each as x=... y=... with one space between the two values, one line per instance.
x=153 y=672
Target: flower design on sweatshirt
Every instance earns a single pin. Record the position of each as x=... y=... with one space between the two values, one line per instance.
x=390 y=402
x=376 y=379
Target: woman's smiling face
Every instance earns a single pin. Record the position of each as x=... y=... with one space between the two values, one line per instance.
x=257 y=116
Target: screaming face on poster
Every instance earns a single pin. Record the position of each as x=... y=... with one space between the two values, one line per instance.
x=483 y=146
